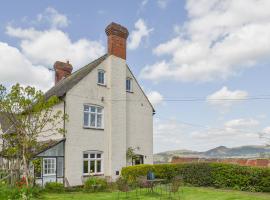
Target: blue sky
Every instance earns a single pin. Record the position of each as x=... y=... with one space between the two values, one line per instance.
x=203 y=64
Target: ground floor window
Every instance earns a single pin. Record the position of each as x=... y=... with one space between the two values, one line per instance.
x=49 y=166
x=137 y=160
x=92 y=162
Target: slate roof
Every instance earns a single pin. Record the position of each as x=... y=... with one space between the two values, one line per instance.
x=61 y=88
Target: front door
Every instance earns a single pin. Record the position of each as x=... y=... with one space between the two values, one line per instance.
x=49 y=170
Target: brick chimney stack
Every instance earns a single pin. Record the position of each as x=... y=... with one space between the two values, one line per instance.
x=62 y=70
x=117 y=39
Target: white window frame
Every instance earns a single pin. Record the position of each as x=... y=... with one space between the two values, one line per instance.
x=89 y=112
x=131 y=84
x=46 y=170
x=104 y=77
x=89 y=159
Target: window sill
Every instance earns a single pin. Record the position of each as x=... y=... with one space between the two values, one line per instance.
x=129 y=91
x=86 y=127
x=103 y=85
x=88 y=175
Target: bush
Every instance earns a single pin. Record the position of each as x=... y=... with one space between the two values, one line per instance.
x=54 y=187
x=94 y=184
x=17 y=193
x=217 y=175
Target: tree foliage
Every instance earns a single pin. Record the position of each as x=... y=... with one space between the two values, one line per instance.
x=29 y=116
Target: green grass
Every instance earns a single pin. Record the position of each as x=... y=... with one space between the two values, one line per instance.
x=187 y=193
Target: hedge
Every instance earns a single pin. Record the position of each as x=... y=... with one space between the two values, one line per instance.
x=217 y=175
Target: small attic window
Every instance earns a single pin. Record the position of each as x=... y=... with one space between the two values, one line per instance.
x=129 y=85
x=101 y=77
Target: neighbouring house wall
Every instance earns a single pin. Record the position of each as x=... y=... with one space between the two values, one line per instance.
x=139 y=121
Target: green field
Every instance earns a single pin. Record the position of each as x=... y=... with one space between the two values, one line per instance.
x=187 y=193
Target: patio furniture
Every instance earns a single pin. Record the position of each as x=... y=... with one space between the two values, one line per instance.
x=153 y=183
x=172 y=190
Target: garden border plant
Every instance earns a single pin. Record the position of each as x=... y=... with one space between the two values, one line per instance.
x=218 y=175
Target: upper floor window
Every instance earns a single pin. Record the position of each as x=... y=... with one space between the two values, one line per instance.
x=93 y=116
x=129 y=85
x=101 y=77
x=92 y=162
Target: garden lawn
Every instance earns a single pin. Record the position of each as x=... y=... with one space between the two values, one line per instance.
x=188 y=193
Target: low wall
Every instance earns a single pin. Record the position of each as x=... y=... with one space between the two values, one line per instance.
x=238 y=161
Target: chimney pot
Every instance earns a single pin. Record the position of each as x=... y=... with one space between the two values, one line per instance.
x=117 y=38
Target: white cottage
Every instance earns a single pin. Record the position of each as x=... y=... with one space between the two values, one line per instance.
x=108 y=113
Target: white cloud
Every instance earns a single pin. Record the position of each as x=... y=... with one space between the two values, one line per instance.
x=172 y=134
x=45 y=47
x=226 y=98
x=54 y=18
x=266 y=130
x=155 y=98
x=162 y=3
x=219 y=40
x=16 y=68
x=144 y=2
x=236 y=132
x=39 y=49
x=242 y=123
x=141 y=31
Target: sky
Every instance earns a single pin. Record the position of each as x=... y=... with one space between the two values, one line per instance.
x=204 y=64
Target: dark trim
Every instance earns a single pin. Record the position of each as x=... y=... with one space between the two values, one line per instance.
x=87 y=175
x=102 y=85
x=85 y=127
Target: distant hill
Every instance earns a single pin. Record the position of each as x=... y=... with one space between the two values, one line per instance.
x=218 y=152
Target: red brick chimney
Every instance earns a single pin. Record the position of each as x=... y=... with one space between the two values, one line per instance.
x=62 y=70
x=117 y=38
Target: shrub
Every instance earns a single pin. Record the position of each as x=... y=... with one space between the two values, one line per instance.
x=54 y=187
x=94 y=184
x=217 y=175
x=17 y=193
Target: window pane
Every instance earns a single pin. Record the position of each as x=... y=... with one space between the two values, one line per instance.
x=92 y=166
x=60 y=166
x=93 y=109
x=85 y=155
x=128 y=84
x=98 y=165
x=86 y=108
x=99 y=110
x=92 y=155
x=99 y=120
x=93 y=120
x=86 y=119
x=98 y=155
x=85 y=166
x=101 y=77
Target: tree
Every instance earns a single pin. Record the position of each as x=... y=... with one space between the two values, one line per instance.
x=30 y=115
